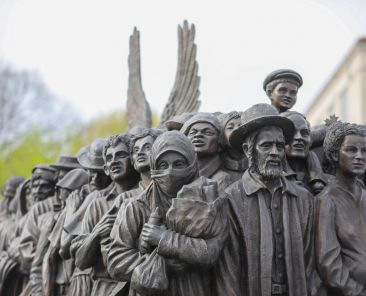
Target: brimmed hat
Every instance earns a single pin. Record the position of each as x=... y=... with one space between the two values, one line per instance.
x=67 y=162
x=45 y=172
x=256 y=117
x=282 y=74
x=177 y=121
x=91 y=157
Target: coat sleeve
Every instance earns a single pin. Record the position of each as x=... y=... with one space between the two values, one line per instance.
x=123 y=255
x=197 y=251
x=329 y=261
x=88 y=252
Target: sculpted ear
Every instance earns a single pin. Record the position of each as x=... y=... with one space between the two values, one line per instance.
x=335 y=156
x=106 y=170
x=245 y=149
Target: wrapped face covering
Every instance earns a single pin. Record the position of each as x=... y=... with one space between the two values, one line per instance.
x=169 y=181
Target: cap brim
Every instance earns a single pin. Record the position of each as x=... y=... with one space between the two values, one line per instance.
x=238 y=135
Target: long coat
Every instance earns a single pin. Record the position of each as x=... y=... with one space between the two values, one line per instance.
x=245 y=265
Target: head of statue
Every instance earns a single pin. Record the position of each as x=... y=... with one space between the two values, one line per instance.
x=44 y=179
x=91 y=159
x=205 y=132
x=281 y=87
x=229 y=121
x=345 y=147
x=262 y=136
x=301 y=142
x=116 y=154
x=11 y=186
x=141 y=144
x=65 y=164
x=73 y=180
x=173 y=162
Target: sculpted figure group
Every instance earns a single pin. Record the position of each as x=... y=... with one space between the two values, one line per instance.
x=207 y=204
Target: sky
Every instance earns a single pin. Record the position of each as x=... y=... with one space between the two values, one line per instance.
x=80 y=47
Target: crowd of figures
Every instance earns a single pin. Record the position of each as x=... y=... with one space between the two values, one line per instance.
x=244 y=203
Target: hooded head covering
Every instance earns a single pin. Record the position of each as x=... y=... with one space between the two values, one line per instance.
x=166 y=183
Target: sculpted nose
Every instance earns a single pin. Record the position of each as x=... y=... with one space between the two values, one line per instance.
x=274 y=151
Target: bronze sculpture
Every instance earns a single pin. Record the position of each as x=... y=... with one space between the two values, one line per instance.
x=303 y=163
x=270 y=215
x=206 y=134
x=144 y=239
x=340 y=219
x=281 y=87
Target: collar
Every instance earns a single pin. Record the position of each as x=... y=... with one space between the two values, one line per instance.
x=112 y=193
x=253 y=184
x=211 y=168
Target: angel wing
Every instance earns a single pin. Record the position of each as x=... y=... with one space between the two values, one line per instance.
x=184 y=95
x=138 y=109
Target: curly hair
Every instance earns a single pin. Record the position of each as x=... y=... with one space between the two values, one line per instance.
x=335 y=136
x=113 y=141
x=152 y=132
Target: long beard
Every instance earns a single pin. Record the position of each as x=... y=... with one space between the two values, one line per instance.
x=269 y=173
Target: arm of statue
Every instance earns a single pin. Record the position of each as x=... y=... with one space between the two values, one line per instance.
x=87 y=253
x=329 y=259
x=197 y=251
x=124 y=255
x=28 y=241
x=90 y=248
x=35 y=276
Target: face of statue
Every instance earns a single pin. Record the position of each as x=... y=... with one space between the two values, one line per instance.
x=205 y=138
x=141 y=153
x=299 y=146
x=230 y=127
x=117 y=162
x=171 y=160
x=97 y=179
x=41 y=189
x=63 y=193
x=172 y=175
x=352 y=155
x=9 y=191
x=284 y=96
x=270 y=152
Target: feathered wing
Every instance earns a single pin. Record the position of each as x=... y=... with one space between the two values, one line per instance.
x=184 y=95
x=138 y=109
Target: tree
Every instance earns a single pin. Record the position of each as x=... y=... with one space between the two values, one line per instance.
x=27 y=104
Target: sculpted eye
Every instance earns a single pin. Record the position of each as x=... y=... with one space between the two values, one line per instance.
x=163 y=165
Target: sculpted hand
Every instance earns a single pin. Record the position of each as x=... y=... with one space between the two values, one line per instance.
x=152 y=234
x=104 y=227
x=174 y=265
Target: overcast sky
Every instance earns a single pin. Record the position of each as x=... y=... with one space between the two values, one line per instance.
x=80 y=47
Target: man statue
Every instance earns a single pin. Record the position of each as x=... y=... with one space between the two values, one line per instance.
x=8 y=193
x=89 y=254
x=270 y=246
x=303 y=164
x=235 y=163
x=43 y=186
x=281 y=87
x=340 y=220
x=206 y=134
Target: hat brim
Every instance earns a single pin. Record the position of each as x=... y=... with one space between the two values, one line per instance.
x=87 y=163
x=238 y=135
x=66 y=166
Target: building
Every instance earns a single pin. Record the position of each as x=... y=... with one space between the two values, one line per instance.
x=345 y=93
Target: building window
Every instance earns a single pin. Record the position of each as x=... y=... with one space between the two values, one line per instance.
x=344 y=105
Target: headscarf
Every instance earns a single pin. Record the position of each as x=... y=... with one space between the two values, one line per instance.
x=167 y=183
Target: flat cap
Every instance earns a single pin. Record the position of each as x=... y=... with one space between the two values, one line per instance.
x=283 y=74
